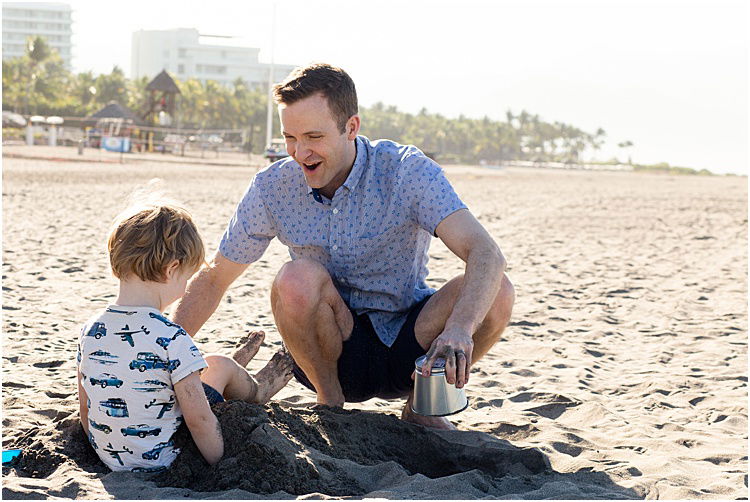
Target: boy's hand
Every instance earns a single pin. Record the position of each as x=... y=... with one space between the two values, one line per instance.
x=200 y=420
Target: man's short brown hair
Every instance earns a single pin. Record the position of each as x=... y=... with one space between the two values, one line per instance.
x=146 y=239
x=330 y=81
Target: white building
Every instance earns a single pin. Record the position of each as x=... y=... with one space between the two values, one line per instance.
x=22 y=20
x=183 y=56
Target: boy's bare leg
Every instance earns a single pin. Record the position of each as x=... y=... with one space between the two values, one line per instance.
x=234 y=382
x=247 y=347
x=273 y=376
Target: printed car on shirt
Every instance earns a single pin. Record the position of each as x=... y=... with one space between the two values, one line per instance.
x=153 y=454
x=106 y=429
x=140 y=430
x=114 y=407
x=148 y=360
x=97 y=330
x=106 y=379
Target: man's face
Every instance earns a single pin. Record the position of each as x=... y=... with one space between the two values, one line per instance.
x=313 y=139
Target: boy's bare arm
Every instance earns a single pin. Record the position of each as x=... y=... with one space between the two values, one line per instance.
x=200 y=420
x=82 y=400
x=205 y=292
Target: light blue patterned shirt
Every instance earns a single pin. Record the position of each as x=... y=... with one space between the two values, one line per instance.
x=372 y=237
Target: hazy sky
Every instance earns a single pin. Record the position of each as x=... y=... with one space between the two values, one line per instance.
x=670 y=76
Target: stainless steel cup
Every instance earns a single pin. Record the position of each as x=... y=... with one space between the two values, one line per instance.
x=433 y=395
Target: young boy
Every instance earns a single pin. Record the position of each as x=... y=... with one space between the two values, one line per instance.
x=140 y=375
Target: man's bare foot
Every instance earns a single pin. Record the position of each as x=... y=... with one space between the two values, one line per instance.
x=442 y=423
x=273 y=376
x=247 y=347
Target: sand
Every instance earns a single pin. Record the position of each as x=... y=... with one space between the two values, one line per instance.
x=623 y=373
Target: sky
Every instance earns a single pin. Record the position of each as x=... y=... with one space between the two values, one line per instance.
x=670 y=76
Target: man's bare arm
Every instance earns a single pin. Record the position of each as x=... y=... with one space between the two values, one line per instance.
x=205 y=291
x=485 y=264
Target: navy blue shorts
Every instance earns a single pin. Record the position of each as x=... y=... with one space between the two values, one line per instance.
x=213 y=395
x=368 y=368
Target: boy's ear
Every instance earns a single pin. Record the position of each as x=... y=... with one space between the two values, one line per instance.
x=171 y=269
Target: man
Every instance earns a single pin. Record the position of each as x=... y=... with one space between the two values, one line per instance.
x=352 y=306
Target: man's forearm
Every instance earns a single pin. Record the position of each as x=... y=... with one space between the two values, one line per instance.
x=202 y=297
x=482 y=279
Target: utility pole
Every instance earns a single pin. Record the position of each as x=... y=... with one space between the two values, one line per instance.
x=269 y=112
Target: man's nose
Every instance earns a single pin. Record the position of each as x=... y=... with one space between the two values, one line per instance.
x=302 y=151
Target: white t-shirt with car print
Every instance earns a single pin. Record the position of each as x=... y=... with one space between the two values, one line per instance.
x=129 y=359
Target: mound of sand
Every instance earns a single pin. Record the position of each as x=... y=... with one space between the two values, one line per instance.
x=280 y=452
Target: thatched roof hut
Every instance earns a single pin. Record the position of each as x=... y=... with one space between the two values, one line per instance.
x=115 y=110
x=163 y=83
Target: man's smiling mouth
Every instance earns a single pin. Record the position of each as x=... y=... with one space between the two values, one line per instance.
x=313 y=166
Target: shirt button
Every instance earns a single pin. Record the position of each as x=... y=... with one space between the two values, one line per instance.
x=334 y=247
x=335 y=210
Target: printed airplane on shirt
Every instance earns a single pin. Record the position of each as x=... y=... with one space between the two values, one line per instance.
x=126 y=335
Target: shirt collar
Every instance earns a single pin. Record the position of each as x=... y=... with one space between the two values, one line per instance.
x=360 y=162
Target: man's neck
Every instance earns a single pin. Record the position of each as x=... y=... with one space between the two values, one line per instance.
x=351 y=157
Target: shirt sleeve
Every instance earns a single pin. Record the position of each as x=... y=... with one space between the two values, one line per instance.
x=437 y=199
x=183 y=356
x=250 y=230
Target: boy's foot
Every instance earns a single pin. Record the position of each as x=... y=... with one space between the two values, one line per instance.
x=274 y=376
x=247 y=347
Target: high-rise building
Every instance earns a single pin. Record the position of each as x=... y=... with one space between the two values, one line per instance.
x=52 y=21
x=183 y=56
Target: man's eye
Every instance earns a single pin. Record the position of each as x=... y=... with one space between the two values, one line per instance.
x=315 y=137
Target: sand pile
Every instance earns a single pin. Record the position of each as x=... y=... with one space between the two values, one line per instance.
x=281 y=452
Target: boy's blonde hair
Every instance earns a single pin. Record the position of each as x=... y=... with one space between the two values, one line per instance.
x=145 y=239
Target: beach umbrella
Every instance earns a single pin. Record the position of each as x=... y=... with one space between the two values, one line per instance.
x=11 y=119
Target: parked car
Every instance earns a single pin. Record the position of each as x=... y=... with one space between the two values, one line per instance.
x=140 y=430
x=106 y=379
x=276 y=150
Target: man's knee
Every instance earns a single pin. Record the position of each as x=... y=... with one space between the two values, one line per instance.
x=298 y=283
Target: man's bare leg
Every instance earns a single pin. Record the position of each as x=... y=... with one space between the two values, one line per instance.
x=313 y=321
x=431 y=322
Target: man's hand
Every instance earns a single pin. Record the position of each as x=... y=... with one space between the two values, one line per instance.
x=456 y=346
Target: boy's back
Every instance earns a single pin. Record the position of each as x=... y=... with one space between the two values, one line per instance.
x=130 y=358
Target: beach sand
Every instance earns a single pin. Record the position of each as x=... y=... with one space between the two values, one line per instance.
x=623 y=373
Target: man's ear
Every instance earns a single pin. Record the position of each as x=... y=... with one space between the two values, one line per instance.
x=352 y=127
